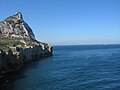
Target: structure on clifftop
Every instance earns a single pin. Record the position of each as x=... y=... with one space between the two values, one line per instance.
x=18 y=44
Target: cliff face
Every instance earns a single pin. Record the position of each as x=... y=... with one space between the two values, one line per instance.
x=14 y=58
x=15 y=26
x=18 y=44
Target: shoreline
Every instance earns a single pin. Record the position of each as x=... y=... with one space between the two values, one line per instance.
x=13 y=60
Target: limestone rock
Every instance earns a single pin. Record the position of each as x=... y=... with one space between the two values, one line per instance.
x=15 y=26
x=18 y=44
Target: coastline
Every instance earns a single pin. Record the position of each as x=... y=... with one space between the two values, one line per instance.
x=14 y=58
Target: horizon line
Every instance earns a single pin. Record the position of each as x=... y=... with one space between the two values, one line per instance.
x=83 y=44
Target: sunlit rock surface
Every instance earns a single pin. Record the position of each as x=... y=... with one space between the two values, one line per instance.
x=18 y=44
x=15 y=26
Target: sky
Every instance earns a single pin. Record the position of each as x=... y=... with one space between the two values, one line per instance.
x=63 y=22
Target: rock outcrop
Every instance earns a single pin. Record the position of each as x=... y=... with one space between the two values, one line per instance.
x=15 y=26
x=13 y=58
x=18 y=44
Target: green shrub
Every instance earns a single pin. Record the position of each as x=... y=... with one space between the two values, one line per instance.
x=12 y=43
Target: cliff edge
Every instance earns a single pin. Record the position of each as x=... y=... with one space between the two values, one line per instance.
x=18 y=44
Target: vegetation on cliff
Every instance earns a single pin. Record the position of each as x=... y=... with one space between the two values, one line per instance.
x=18 y=44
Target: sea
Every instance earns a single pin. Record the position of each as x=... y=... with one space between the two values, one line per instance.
x=72 y=67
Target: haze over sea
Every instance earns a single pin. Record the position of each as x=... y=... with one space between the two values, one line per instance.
x=75 y=67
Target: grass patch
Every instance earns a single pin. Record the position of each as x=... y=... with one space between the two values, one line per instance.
x=11 y=43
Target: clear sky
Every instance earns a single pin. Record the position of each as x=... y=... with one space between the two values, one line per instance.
x=69 y=21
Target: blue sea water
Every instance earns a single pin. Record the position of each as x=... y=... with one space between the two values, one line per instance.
x=77 y=67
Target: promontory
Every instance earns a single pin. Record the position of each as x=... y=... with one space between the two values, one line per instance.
x=18 y=44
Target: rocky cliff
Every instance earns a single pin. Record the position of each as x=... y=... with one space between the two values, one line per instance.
x=15 y=26
x=18 y=44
